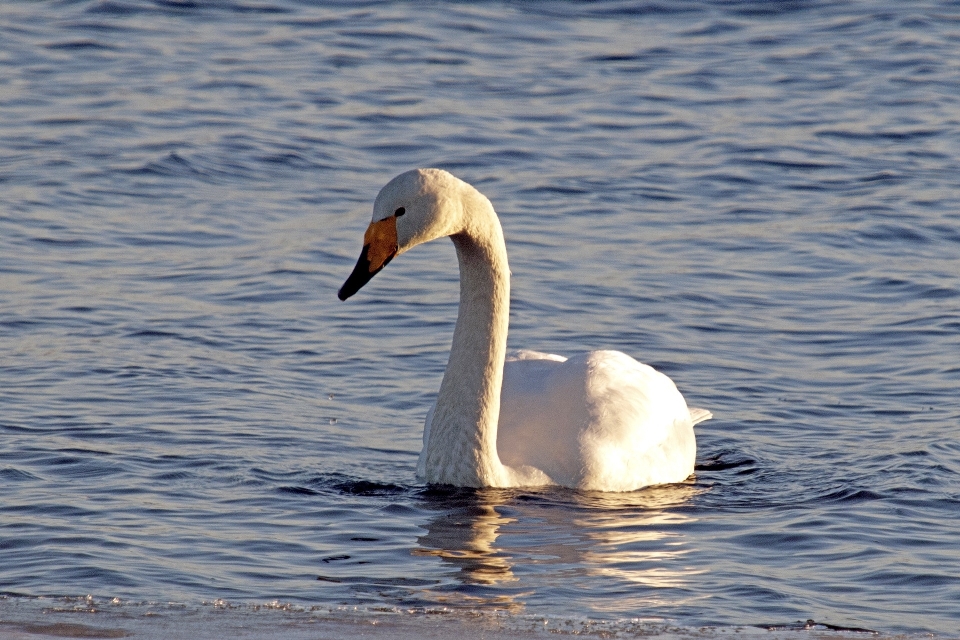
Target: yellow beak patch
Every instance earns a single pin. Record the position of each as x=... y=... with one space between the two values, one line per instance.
x=380 y=243
x=379 y=247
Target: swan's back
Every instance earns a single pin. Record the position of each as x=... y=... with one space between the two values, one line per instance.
x=600 y=420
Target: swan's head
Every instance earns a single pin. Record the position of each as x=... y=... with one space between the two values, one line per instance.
x=415 y=207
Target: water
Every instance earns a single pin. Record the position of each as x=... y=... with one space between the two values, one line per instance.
x=761 y=199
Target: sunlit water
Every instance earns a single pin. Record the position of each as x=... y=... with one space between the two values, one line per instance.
x=759 y=198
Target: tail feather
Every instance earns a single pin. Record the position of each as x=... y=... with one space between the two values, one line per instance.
x=699 y=415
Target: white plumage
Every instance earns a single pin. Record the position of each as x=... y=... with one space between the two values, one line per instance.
x=596 y=421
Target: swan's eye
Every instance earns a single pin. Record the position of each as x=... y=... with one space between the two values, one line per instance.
x=399 y=212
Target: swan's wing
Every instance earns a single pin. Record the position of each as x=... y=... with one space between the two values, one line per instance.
x=600 y=420
x=531 y=427
x=699 y=415
x=527 y=354
x=641 y=431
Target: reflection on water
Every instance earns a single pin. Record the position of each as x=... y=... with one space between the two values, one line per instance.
x=506 y=538
x=465 y=537
x=639 y=540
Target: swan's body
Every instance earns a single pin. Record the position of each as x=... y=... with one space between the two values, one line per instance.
x=598 y=421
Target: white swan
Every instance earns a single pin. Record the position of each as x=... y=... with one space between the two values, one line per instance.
x=597 y=421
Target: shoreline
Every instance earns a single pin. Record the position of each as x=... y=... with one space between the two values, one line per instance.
x=36 y=619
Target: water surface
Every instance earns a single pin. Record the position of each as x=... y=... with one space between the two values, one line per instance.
x=759 y=199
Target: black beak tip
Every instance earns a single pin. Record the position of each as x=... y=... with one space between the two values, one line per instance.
x=362 y=273
x=351 y=286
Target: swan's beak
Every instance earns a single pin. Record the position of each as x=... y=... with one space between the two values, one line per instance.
x=379 y=247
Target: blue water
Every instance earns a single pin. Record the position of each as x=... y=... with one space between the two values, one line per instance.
x=761 y=199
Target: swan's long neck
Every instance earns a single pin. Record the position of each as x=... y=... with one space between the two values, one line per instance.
x=462 y=446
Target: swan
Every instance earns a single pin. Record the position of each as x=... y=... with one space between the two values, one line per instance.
x=597 y=421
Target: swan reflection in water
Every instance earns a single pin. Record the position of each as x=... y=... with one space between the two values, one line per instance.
x=506 y=544
x=465 y=537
